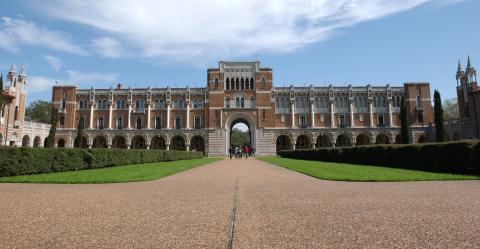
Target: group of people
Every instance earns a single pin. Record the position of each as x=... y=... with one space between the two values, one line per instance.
x=241 y=152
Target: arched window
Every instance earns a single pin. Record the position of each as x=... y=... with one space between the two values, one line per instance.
x=242 y=102
x=398 y=101
x=263 y=82
x=252 y=86
x=237 y=83
x=237 y=102
x=216 y=82
x=247 y=85
x=100 y=123
x=252 y=102
x=242 y=84
x=227 y=102
x=16 y=113
x=139 y=123
x=119 y=122
x=228 y=84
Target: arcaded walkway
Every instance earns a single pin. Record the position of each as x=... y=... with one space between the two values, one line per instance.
x=275 y=208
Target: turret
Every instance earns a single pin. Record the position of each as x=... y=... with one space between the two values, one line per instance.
x=12 y=73
x=22 y=75
x=470 y=72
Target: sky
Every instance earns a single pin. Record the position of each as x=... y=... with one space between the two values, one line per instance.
x=171 y=43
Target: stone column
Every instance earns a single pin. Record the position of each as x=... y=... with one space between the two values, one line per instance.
x=91 y=117
x=332 y=116
x=168 y=117
x=188 y=115
x=187 y=147
x=129 y=116
x=110 y=113
x=390 y=117
x=293 y=116
x=312 y=114
x=352 y=121
x=370 y=110
x=148 y=116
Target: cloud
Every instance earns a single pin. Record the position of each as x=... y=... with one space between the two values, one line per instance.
x=20 y=31
x=40 y=84
x=79 y=78
x=108 y=47
x=91 y=78
x=189 y=29
x=54 y=62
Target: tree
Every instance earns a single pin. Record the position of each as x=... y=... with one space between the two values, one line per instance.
x=39 y=110
x=50 y=140
x=404 y=123
x=239 y=138
x=438 y=117
x=450 y=109
x=78 y=140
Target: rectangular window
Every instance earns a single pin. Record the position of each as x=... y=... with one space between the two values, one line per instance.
x=360 y=117
x=381 y=121
x=420 y=117
x=322 y=117
x=62 y=120
x=282 y=118
x=197 y=122
x=264 y=114
x=158 y=122
x=341 y=121
x=303 y=121
x=177 y=122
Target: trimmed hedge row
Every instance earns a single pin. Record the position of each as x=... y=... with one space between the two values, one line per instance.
x=455 y=157
x=23 y=161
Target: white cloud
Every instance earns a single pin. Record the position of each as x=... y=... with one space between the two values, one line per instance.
x=91 y=78
x=20 y=31
x=79 y=78
x=54 y=62
x=40 y=84
x=186 y=29
x=108 y=47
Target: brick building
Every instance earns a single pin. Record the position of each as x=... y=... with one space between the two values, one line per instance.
x=14 y=130
x=468 y=94
x=240 y=92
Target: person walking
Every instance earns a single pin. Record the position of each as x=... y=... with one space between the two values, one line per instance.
x=230 y=151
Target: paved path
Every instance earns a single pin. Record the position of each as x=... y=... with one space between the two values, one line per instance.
x=276 y=208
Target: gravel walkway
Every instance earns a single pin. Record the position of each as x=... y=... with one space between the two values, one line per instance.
x=276 y=208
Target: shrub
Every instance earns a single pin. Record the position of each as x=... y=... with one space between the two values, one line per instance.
x=455 y=157
x=22 y=161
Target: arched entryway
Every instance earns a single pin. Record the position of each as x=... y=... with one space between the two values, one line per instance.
x=158 y=143
x=138 y=142
x=197 y=143
x=382 y=139
x=246 y=122
x=61 y=143
x=283 y=143
x=36 y=141
x=362 y=139
x=119 y=142
x=422 y=139
x=398 y=139
x=26 y=141
x=343 y=140
x=99 y=142
x=303 y=142
x=177 y=143
x=323 y=141
x=240 y=133
x=81 y=142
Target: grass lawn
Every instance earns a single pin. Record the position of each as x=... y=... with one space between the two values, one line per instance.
x=127 y=173
x=351 y=172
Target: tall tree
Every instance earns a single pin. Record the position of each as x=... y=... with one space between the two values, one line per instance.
x=450 y=109
x=78 y=140
x=50 y=140
x=438 y=117
x=404 y=123
x=40 y=111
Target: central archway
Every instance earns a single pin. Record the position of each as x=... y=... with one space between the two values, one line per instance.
x=239 y=118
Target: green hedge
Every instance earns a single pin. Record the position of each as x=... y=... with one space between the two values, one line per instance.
x=23 y=161
x=455 y=157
